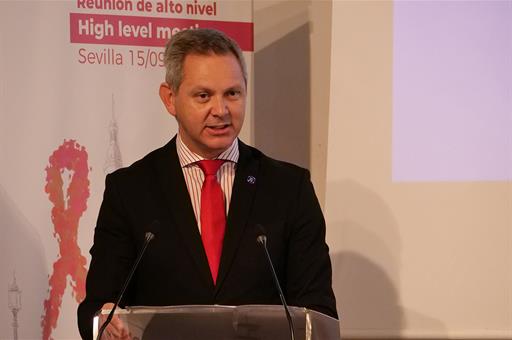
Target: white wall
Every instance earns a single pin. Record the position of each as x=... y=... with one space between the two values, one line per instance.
x=411 y=259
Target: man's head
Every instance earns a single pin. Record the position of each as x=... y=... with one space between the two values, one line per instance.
x=200 y=42
x=205 y=89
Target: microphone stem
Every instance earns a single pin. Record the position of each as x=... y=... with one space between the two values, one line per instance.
x=148 y=237
x=280 y=291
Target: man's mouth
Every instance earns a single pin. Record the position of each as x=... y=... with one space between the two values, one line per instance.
x=218 y=127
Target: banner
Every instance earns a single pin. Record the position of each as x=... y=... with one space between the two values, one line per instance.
x=78 y=99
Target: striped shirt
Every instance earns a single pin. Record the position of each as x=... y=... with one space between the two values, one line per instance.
x=194 y=176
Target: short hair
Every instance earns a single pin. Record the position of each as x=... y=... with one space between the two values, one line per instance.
x=202 y=41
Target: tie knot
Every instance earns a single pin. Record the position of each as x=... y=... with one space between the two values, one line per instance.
x=210 y=166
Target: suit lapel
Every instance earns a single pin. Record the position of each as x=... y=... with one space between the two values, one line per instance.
x=244 y=188
x=172 y=182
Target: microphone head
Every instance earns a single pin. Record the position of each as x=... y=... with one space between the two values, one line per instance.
x=152 y=230
x=262 y=239
x=154 y=227
x=149 y=236
x=261 y=229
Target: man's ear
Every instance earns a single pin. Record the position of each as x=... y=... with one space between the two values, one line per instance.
x=168 y=97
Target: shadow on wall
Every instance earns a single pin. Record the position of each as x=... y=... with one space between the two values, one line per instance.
x=282 y=92
x=22 y=252
x=367 y=299
x=366 y=254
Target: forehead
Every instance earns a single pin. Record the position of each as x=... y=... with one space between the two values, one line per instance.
x=212 y=68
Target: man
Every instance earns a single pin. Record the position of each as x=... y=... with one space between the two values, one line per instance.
x=206 y=251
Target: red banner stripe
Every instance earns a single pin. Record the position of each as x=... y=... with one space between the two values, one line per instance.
x=148 y=31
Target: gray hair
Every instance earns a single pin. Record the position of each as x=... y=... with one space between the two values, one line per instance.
x=201 y=41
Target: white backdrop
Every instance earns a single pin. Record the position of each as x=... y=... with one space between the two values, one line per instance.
x=94 y=113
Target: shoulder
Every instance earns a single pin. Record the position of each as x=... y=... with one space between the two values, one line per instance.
x=147 y=165
x=278 y=169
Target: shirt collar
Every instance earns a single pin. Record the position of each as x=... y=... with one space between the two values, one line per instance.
x=187 y=157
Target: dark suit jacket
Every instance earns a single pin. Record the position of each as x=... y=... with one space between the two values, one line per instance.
x=174 y=270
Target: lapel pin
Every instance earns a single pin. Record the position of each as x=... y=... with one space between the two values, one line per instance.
x=251 y=179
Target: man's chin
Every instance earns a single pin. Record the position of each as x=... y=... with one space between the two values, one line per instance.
x=219 y=144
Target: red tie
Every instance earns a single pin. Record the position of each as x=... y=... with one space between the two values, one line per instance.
x=213 y=214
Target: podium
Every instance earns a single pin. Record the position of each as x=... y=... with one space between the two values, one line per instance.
x=248 y=322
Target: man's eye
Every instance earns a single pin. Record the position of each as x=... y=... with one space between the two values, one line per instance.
x=202 y=96
x=234 y=93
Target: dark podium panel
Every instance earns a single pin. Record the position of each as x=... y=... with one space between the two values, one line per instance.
x=249 y=322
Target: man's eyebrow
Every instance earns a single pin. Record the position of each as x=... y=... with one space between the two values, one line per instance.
x=201 y=88
x=235 y=87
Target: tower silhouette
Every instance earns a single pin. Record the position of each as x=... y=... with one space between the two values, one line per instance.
x=113 y=160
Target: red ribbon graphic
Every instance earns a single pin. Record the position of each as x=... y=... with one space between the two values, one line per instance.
x=72 y=157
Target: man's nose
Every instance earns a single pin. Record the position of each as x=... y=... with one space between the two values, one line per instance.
x=220 y=107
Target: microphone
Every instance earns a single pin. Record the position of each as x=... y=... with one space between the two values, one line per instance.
x=262 y=239
x=152 y=230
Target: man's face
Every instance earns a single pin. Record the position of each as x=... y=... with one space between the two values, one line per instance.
x=210 y=103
